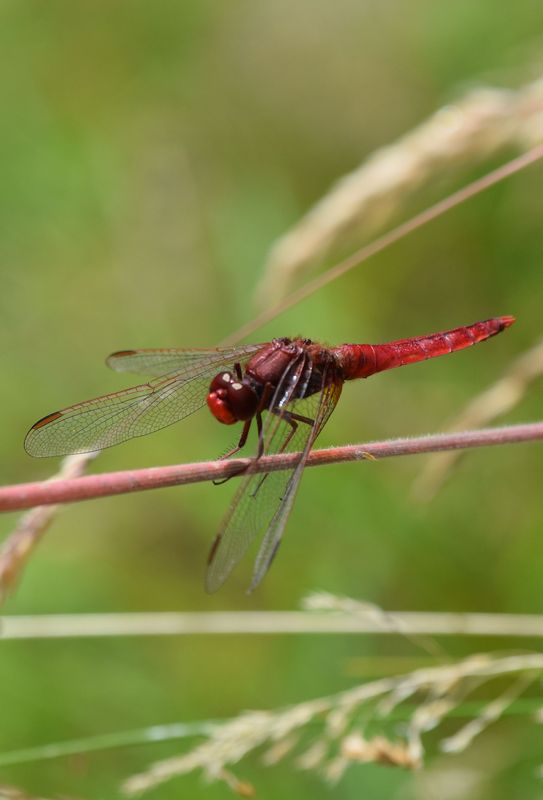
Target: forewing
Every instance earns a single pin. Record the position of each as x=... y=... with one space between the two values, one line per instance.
x=183 y=362
x=262 y=502
x=114 y=418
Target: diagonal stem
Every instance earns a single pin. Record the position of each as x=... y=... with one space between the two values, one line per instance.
x=389 y=238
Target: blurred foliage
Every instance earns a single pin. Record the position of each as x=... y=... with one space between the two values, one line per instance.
x=150 y=154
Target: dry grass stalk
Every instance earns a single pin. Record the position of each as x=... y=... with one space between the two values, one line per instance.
x=241 y=788
x=20 y=545
x=387 y=620
x=15 y=793
x=497 y=400
x=378 y=750
x=413 y=625
x=492 y=712
x=460 y=135
x=335 y=724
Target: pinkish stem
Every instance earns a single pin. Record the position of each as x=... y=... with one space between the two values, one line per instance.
x=27 y=495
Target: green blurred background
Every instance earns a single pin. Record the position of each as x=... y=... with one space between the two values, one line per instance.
x=150 y=155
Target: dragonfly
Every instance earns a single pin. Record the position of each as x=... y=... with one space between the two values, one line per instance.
x=287 y=387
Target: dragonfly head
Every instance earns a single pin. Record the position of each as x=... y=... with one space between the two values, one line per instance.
x=230 y=400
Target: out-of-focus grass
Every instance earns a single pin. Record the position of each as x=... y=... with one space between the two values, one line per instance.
x=150 y=155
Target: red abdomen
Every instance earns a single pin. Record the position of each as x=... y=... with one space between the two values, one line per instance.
x=363 y=360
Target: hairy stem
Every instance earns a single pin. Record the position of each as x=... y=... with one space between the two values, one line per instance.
x=27 y=495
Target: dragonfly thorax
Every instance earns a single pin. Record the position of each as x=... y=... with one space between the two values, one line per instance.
x=231 y=400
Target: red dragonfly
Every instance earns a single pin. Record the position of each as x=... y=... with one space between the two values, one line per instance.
x=297 y=381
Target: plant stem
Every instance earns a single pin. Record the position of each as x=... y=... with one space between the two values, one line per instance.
x=27 y=495
x=262 y=623
x=389 y=238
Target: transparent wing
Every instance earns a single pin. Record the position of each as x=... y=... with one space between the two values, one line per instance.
x=137 y=411
x=263 y=501
x=324 y=405
x=160 y=362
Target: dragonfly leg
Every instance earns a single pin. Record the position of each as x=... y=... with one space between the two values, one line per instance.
x=260 y=450
x=291 y=419
x=268 y=388
x=234 y=450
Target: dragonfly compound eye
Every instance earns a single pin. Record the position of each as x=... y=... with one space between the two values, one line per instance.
x=230 y=400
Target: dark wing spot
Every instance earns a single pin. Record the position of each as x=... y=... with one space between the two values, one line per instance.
x=213 y=550
x=46 y=420
x=121 y=353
